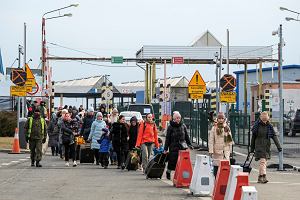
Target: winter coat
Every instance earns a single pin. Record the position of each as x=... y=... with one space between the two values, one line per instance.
x=86 y=126
x=96 y=132
x=260 y=141
x=104 y=143
x=133 y=134
x=67 y=132
x=53 y=133
x=147 y=134
x=176 y=133
x=219 y=145
x=118 y=136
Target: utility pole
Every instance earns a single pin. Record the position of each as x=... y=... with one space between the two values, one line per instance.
x=24 y=113
x=19 y=98
x=217 y=82
x=281 y=111
x=227 y=62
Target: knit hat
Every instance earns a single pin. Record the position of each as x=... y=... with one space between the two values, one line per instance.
x=99 y=114
x=115 y=110
x=91 y=109
x=133 y=119
x=221 y=115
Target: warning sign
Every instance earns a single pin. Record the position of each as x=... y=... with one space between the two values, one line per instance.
x=19 y=91
x=197 y=84
x=228 y=97
x=196 y=96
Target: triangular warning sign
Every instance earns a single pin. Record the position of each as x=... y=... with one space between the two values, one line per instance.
x=196 y=79
x=29 y=72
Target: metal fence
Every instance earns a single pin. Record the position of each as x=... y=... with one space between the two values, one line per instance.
x=240 y=128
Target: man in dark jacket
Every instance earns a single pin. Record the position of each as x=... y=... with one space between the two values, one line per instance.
x=36 y=134
x=87 y=123
x=176 y=137
x=262 y=132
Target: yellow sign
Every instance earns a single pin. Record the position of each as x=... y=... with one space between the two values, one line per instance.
x=197 y=84
x=196 y=96
x=200 y=89
x=18 y=91
x=29 y=72
x=228 y=97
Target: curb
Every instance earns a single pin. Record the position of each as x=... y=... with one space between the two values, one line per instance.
x=9 y=151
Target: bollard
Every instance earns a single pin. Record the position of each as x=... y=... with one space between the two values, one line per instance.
x=234 y=170
x=183 y=172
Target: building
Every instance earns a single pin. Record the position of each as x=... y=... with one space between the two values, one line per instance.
x=269 y=75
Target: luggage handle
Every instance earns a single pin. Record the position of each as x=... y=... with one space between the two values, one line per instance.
x=247 y=159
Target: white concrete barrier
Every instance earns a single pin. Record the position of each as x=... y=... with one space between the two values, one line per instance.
x=202 y=183
x=231 y=186
x=249 y=193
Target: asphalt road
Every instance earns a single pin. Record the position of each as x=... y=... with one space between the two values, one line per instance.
x=55 y=181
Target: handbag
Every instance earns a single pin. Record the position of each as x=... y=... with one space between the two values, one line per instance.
x=183 y=145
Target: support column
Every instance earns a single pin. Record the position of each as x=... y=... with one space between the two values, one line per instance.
x=146 y=83
x=245 y=89
x=153 y=96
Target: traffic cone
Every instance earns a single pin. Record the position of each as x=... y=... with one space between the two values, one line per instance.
x=183 y=172
x=242 y=180
x=16 y=145
x=221 y=180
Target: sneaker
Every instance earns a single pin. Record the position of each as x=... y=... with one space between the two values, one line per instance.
x=37 y=164
x=32 y=163
x=123 y=166
x=74 y=163
x=67 y=164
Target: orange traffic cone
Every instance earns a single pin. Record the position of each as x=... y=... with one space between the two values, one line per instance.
x=16 y=144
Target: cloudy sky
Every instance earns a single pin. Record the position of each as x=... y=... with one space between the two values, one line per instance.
x=119 y=27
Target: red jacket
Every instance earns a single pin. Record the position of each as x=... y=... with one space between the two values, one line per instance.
x=147 y=134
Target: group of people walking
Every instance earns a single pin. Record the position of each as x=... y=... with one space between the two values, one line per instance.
x=111 y=138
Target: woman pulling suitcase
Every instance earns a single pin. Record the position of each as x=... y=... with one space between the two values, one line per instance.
x=176 y=139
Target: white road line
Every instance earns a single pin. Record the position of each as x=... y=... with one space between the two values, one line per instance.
x=23 y=159
x=5 y=164
x=15 y=161
x=28 y=157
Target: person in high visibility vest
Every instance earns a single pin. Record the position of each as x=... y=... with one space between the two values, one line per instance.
x=36 y=134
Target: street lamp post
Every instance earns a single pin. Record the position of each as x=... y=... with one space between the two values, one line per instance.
x=44 y=67
x=280 y=86
x=292 y=11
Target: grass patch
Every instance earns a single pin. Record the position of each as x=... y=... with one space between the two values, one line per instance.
x=6 y=142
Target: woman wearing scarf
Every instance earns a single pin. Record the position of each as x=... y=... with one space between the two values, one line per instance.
x=220 y=141
x=262 y=132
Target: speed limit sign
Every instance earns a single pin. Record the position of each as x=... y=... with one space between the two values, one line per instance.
x=108 y=94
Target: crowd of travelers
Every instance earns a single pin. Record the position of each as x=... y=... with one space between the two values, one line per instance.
x=111 y=138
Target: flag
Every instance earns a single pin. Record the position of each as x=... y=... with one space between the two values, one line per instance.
x=1 y=64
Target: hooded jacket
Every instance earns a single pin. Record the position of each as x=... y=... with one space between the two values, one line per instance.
x=96 y=132
x=147 y=134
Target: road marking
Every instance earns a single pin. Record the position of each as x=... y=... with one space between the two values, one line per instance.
x=5 y=164
x=27 y=157
x=23 y=159
x=15 y=161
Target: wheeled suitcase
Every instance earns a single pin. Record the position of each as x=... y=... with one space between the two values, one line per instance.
x=247 y=164
x=156 y=166
x=86 y=154
x=132 y=160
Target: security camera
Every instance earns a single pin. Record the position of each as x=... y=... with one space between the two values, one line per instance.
x=274 y=32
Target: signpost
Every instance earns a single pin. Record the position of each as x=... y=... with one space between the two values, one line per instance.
x=30 y=79
x=228 y=97
x=177 y=60
x=108 y=94
x=117 y=59
x=197 y=86
x=227 y=83
x=19 y=91
x=18 y=76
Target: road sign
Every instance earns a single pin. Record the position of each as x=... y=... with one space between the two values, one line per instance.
x=227 y=83
x=117 y=59
x=196 y=96
x=30 y=81
x=228 y=97
x=197 y=84
x=18 y=91
x=18 y=76
x=108 y=94
x=177 y=60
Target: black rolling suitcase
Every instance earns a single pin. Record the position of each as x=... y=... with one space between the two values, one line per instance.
x=156 y=166
x=86 y=154
x=132 y=160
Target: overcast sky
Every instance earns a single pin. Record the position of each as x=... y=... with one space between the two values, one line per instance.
x=120 y=28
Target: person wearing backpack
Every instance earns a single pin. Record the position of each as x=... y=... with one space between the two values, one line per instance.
x=36 y=134
x=147 y=136
x=53 y=132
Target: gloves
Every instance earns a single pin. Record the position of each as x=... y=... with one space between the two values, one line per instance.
x=44 y=140
x=279 y=149
x=27 y=139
